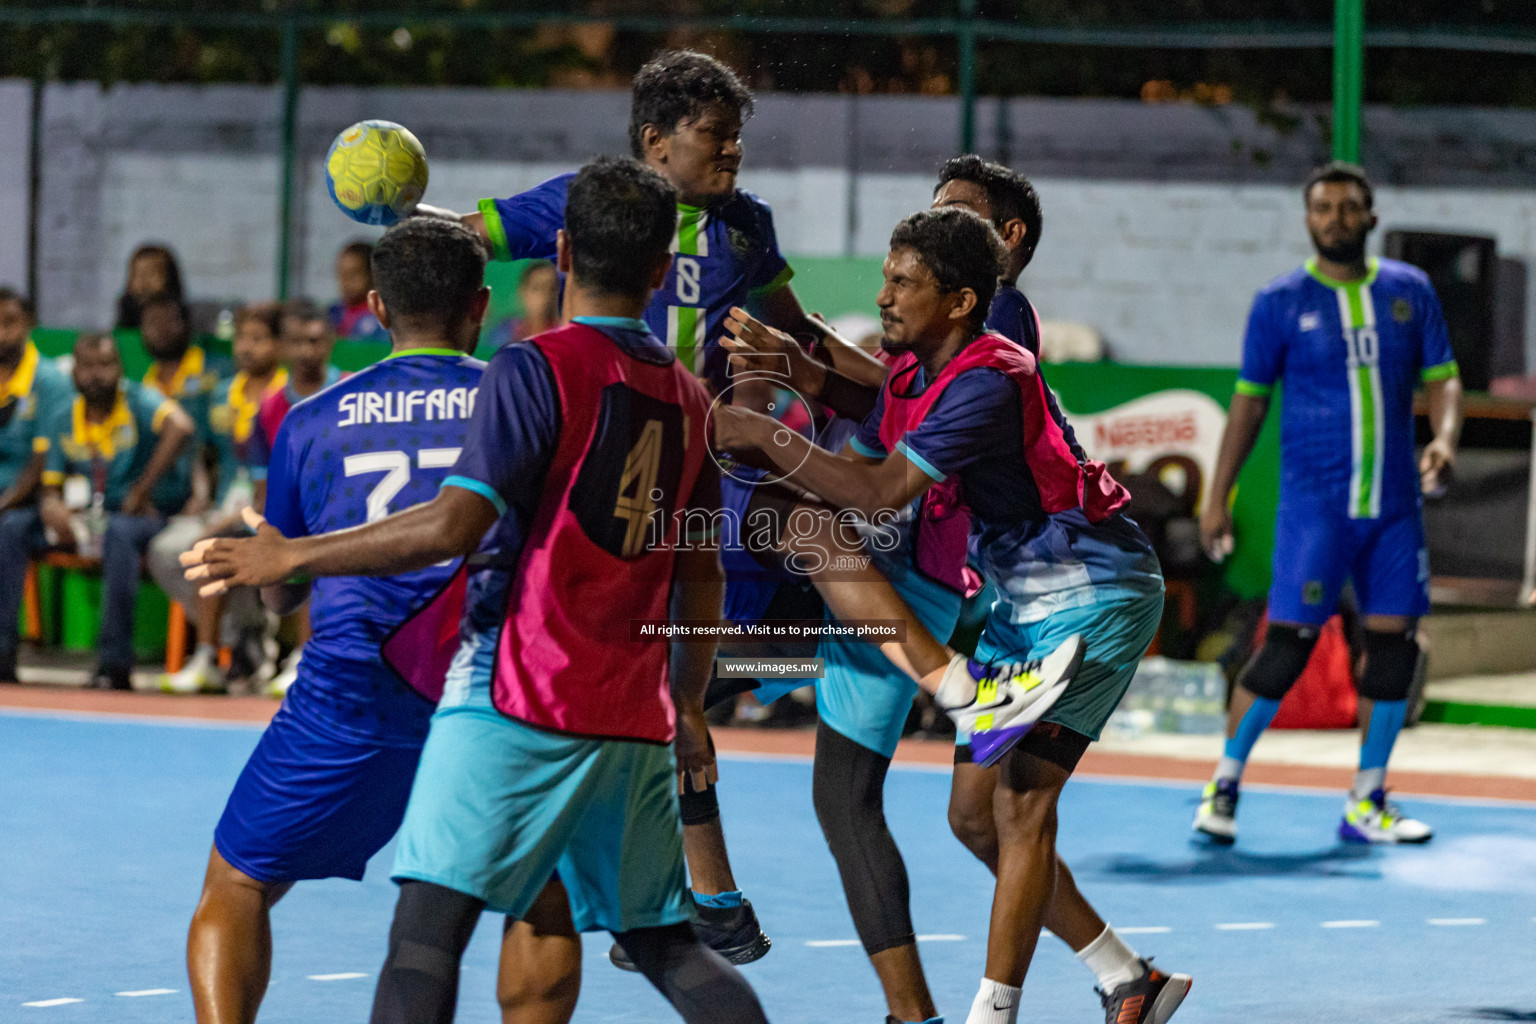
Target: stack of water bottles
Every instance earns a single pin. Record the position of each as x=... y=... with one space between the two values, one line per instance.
x=1170 y=696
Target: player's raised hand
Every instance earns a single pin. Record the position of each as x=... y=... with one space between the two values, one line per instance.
x=695 y=755
x=1435 y=467
x=734 y=428
x=757 y=348
x=1216 y=530
x=221 y=563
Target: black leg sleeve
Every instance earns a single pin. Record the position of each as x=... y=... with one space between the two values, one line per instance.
x=696 y=980
x=848 y=789
x=419 y=983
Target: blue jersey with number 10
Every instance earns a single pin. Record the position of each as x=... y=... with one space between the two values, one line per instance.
x=378 y=442
x=1351 y=354
x=722 y=256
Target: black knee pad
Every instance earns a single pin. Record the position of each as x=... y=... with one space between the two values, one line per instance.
x=698 y=808
x=1390 y=660
x=1272 y=671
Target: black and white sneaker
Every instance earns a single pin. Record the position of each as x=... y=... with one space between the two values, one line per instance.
x=1217 y=817
x=1150 y=999
x=733 y=932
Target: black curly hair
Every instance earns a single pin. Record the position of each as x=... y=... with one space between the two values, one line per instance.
x=676 y=86
x=959 y=248
x=1009 y=193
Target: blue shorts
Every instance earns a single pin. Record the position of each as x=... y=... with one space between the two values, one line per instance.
x=1117 y=631
x=1386 y=559
x=862 y=695
x=312 y=803
x=500 y=807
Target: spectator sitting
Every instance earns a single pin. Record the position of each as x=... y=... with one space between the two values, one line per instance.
x=181 y=370
x=34 y=395
x=350 y=317
x=307 y=342
x=112 y=476
x=152 y=270
x=227 y=433
x=538 y=293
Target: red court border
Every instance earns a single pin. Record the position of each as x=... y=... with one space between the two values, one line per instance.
x=802 y=743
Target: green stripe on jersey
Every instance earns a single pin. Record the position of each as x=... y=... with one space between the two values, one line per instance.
x=1357 y=315
x=685 y=324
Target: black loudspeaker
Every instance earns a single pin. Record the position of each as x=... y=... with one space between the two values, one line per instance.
x=1464 y=270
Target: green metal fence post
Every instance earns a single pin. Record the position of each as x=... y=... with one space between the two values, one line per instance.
x=290 y=75
x=966 y=40
x=1348 y=77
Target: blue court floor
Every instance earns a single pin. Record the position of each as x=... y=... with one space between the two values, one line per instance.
x=105 y=826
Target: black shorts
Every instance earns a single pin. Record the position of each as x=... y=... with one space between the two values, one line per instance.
x=1048 y=741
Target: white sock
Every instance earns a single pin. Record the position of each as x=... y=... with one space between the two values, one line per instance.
x=956 y=688
x=1367 y=781
x=206 y=652
x=1111 y=960
x=996 y=1003
x=1228 y=768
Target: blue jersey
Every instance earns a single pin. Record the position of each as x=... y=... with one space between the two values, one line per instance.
x=1351 y=355
x=378 y=442
x=722 y=256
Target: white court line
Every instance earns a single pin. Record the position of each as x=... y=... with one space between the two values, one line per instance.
x=1456 y=922
x=829 y=943
x=53 y=1002
x=941 y=938
x=1351 y=924
x=344 y=976
x=1149 y=930
x=148 y=992
x=1246 y=926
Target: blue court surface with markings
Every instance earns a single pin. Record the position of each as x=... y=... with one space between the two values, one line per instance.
x=107 y=823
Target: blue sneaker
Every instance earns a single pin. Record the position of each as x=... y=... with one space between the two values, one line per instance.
x=1011 y=697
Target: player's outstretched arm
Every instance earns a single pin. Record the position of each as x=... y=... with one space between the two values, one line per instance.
x=451 y=525
x=863 y=486
x=1244 y=419
x=756 y=347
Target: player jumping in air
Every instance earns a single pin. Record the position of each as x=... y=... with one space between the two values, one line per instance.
x=964 y=407
x=552 y=747
x=327 y=784
x=686 y=117
x=1351 y=338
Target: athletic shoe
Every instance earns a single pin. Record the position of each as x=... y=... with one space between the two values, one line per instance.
x=1217 y=816
x=200 y=675
x=1150 y=999
x=1011 y=697
x=1374 y=820
x=733 y=932
x=278 y=688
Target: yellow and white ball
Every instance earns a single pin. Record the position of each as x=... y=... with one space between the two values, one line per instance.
x=376 y=172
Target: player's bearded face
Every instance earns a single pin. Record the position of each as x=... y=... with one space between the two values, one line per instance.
x=702 y=157
x=1339 y=221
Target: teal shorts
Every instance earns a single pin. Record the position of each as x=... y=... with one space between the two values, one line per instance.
x=1118 y=632
x=498 y=808
x=862 y=694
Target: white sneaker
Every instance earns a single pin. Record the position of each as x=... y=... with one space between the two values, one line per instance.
x=1374 y=820
x=199 y=675
x=1011 y=697
x=1217 y=816
x=284 y=679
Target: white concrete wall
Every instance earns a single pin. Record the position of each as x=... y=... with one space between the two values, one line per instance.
x=15 y=170
x=1164 y=270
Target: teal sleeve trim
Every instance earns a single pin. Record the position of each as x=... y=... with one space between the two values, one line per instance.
x=779 y=281
x=485 y=491
x=1253 y=388
x=920 y=462
x=864 y=449
x=627 y=322
x=1443 y=371
x=495 y=230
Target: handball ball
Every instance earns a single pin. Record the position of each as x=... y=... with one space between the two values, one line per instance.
x=377 y=172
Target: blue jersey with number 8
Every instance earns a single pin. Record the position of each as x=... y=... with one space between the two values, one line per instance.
x=1350 y=355
x=378 y=442
x=721 y=257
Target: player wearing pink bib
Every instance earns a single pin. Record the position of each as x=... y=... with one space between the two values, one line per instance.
x=549 y=761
